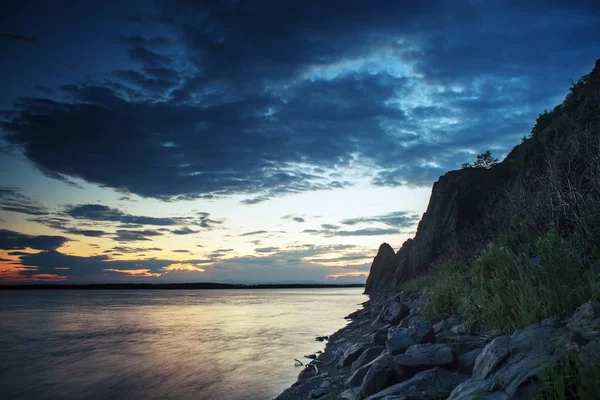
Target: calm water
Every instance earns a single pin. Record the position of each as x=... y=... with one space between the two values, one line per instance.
x=164 y=344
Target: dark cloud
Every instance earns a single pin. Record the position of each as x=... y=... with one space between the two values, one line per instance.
x=184 y=231
x=271 y=264
x=86 y=232
x=220 y=252
x=11 y=37
x=129 y=250
x=181 y=251
x=142 y=42
x=329 y=226
x=18 y=253
x=11 y=240
x=266 y=249
x=358 y=232
x=98 y=212
x=398 y=219
x=352 y=257
x=126 y=235
x=253 y=233
x=47 y=262
x=294 y=218
x=367 y=232
x=243 y=96
x=13 y=199
x=65 y=225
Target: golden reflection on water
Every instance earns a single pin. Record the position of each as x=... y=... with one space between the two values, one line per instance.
x=163 y=344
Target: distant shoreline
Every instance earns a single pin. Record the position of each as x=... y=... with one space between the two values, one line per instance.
x=145 y=286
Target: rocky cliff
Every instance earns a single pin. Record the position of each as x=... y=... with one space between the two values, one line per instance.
x=472 y=206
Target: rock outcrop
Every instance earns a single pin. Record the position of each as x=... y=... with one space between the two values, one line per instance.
x=382 y=270
x=464 y=204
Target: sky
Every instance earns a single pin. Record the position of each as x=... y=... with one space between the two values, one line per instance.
x=256 y=141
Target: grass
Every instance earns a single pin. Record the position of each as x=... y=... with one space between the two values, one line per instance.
x=572 y=378
x=519 y=280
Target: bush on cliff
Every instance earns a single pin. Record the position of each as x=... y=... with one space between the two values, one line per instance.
x=484 y=160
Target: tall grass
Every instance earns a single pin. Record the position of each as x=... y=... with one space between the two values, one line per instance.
x=516 y=283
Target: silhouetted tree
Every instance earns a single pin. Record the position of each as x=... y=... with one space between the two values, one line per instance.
x=484 y=160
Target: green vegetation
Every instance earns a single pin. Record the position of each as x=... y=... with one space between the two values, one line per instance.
x=576 y=377
x=517 y=281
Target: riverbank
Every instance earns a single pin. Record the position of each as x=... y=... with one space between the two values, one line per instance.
x=389 y=351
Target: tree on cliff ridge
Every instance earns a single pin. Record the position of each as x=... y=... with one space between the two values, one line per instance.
x=484 y=160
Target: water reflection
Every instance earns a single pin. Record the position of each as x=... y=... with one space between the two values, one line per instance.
x=162 y=344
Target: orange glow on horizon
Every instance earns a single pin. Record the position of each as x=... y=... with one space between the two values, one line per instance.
x=135 y=272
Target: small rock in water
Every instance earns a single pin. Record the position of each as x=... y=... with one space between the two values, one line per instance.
x=321 y=338
x=311 y=356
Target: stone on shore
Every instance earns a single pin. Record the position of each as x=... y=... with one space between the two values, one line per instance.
x=399 y=339
x=466 y=361
x=436 y=383
x=366 y=357
x=352 y=354
x=425 y=355
x=492 y=355
x=382 y=374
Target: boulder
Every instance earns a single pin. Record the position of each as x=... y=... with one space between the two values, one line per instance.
x=356 y=379
x=461 y=343
x=382 y=374
x=366 y=357
x=492 y=355
x=399 y=339
x=351 y=354
x=395 y=312
x=441 y=326
x=425 y=355
x=422 y=331
x=477 y=389
x=432 y=384
x=466 y=361
x=508 y=367
x=379 y=337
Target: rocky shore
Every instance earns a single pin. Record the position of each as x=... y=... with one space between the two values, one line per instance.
x=513 y=255
x=390 y=352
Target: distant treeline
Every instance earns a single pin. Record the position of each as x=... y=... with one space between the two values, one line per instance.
x=199 y=285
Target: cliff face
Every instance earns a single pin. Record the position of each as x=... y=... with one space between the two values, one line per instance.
x=382 y=269
x=469 y=207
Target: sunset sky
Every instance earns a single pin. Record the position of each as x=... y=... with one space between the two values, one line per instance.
x=256 y=141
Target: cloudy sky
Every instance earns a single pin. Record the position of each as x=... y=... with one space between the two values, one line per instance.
x=256 y=141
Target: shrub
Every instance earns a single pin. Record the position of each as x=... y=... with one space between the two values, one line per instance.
x=447 y=292
x=484 y=160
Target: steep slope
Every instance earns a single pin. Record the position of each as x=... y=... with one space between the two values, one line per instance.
x=472 y=206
